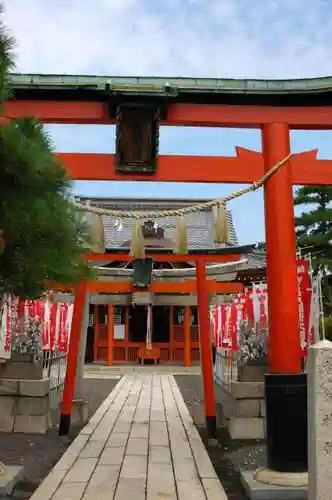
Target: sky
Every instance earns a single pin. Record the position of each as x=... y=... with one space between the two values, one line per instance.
x=194 y=38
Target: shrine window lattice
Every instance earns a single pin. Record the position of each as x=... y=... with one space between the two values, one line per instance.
x=118 y=316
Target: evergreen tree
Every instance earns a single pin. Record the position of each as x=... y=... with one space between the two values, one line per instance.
x=314 y=231
x=314 y=227
x=6 y=59
x=43 y=238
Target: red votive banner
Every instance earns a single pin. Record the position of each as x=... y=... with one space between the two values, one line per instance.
x=6 y=327
x=304 y=298
x=56 y=319
x=250 y=309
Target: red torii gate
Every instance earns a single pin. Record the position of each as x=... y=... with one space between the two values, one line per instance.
x=196 y=105
x=203 y=290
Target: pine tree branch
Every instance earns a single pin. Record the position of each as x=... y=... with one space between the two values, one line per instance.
x=306 y=195
x=7 y=62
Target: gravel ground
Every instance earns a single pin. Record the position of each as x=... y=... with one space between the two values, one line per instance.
x=38 y=454
x=229 y=456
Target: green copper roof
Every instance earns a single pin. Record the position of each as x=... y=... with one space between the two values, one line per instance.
x=170 y=86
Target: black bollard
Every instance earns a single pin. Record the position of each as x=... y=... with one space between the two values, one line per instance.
x=64 y=426
x=286 y=422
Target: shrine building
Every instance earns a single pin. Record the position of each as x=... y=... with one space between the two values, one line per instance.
x=168 y=287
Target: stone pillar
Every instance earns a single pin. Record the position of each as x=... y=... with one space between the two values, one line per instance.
x=320 y=420
x=80 y=404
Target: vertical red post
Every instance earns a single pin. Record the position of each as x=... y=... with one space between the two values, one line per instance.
x=285 y=385
x=74 y=344
x=284 y=339
x=171 y=333
x=187 y=337
x=126 y=339
x=110 y=334
x=205 y=348
x=96 y=333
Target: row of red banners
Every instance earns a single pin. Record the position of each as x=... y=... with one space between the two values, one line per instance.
x=56 y=319
x=251 y=308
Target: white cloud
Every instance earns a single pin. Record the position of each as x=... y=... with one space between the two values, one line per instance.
x=198 y=38
x=216 y=38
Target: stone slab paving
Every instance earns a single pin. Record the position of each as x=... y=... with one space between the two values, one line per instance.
x=140 y=444
x=95 y=370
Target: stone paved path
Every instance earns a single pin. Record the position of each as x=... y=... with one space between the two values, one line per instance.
x=102 y=371
x=141 y=444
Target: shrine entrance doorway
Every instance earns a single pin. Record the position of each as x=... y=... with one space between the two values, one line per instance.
x=160 y=324
x=137 y=323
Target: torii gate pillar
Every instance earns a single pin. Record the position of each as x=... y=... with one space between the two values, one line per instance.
x=285 y=385
x=205 y=350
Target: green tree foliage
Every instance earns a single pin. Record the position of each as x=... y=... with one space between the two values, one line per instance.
x=328 y=328
x=314 y=232
x=7 y=44
x=44 y=239
x=314 y=227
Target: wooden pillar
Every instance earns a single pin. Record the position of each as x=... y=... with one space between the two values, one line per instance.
x=74 y=343
x=126 y=324
x=110 y=333
x=205 y=348
x=96 y=333
x=149 y=327
x=285 y=385
x=126 y=339
x=187 y=337
x=171 y=333
x=79 y=379
x=284 y=338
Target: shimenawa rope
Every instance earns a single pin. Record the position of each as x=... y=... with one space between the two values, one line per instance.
x=184 y=210
x=221 y=226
